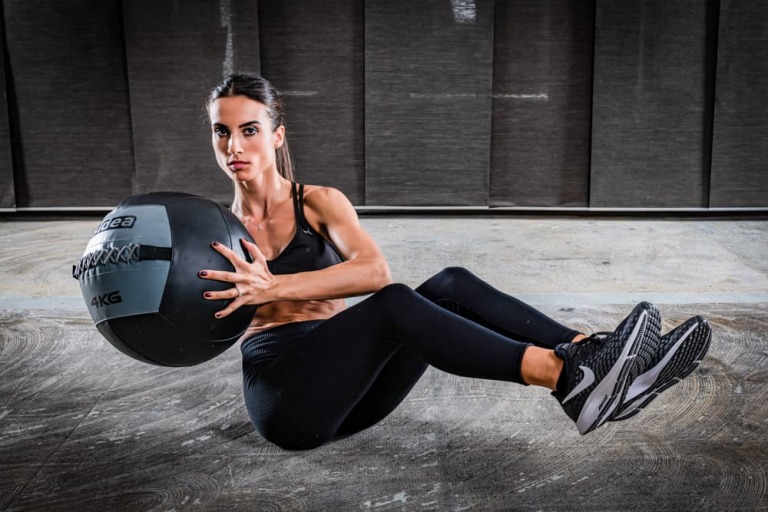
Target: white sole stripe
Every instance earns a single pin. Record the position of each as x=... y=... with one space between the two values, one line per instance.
x=596 y=409
x=645 y=381
x=629 y=408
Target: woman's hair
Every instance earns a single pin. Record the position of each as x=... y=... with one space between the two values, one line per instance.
x=258 y=89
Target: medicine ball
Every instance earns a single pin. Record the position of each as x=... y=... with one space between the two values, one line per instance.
x=139 y=278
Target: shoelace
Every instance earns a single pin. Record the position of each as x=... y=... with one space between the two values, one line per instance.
x=597 y=337
x=591 y=344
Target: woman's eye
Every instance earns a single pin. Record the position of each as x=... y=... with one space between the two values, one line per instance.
x=220 y=131
x=251 y=130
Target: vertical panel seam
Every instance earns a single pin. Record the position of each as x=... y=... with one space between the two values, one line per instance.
x=710 y=135
x=493 y=100
x=134 y=184
x=14 y=123
x=592 y=106
x=259 y=38
x=364 y=112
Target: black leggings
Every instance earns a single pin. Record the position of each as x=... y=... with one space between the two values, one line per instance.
x=308 y=382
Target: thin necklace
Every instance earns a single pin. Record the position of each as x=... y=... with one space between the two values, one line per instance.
x=248 y=221
x=259 y=225
x=264 y=220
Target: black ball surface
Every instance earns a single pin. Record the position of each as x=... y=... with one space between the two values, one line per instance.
x=139 y=278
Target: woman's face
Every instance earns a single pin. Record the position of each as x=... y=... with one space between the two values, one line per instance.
x=243 y=137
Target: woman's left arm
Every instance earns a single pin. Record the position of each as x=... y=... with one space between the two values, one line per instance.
x=365 y=269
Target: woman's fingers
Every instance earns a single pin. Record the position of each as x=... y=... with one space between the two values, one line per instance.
x=254 y=251
x=229 y=309
x=233 y=294
x=231 y=255
x=218 y=275
x=228 y=294
x=250 y=280
x=234 y=258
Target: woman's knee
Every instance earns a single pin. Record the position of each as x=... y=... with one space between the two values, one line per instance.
x=456 y=274
x=445 y=282
x=392 y=295
x=389 y=304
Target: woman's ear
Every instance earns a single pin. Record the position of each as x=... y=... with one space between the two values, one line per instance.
x=279 y=135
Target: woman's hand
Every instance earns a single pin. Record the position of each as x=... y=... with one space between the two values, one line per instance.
x=253 y=281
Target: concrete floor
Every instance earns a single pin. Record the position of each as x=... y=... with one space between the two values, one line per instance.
x=84 y=427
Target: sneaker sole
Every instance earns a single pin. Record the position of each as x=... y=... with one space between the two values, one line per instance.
x=650 y=384
x=609 y=393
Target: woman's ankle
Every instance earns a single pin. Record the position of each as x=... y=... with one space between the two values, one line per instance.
x=541 y=367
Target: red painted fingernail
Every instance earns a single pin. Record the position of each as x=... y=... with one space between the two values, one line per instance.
x=215 y=244
x=217 y=315
x=202 y=273
x=207 y=295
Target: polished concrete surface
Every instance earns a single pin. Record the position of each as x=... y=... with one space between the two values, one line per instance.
x=84 y=427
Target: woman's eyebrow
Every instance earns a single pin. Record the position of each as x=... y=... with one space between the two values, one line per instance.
x=249 y=123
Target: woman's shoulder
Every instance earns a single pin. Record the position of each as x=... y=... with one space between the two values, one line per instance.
x=326 y=201
x=319 y=196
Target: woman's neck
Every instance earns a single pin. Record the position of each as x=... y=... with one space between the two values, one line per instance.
x=257 y=198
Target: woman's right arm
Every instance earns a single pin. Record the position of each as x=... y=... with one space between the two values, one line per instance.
x=365 y=270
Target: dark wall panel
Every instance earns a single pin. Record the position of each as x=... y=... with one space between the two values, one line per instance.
x=740 y=146
x=542 y=97
x=652 y=105
x=7 y=194
x=428 y=73
x=68 y=72
x=176 y=52
x=625 y=104
x=312 y=52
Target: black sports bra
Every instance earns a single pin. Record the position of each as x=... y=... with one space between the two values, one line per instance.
x=307 y=250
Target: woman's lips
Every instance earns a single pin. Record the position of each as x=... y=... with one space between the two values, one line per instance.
x=237 y=165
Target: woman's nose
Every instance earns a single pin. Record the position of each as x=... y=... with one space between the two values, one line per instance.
x=234 y=146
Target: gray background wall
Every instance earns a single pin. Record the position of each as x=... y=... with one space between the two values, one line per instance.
x=653 y=84
x=450 y=103
x=7 y=194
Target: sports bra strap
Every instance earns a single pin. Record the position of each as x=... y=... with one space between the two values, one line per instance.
x=298 y=205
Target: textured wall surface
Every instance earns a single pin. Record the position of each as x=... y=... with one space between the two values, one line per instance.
x=72 y=98
x=7 y=194
x=542 y=95
x=175 y=53
x=740 y=152
x=444 y=103
x=428 y=73
x=314 y=55
x=653 y=86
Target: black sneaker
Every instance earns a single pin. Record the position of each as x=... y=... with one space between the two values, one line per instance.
x=680 y=352
x=597 y=371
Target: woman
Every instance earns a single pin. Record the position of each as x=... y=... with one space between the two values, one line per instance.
x=314 y=371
